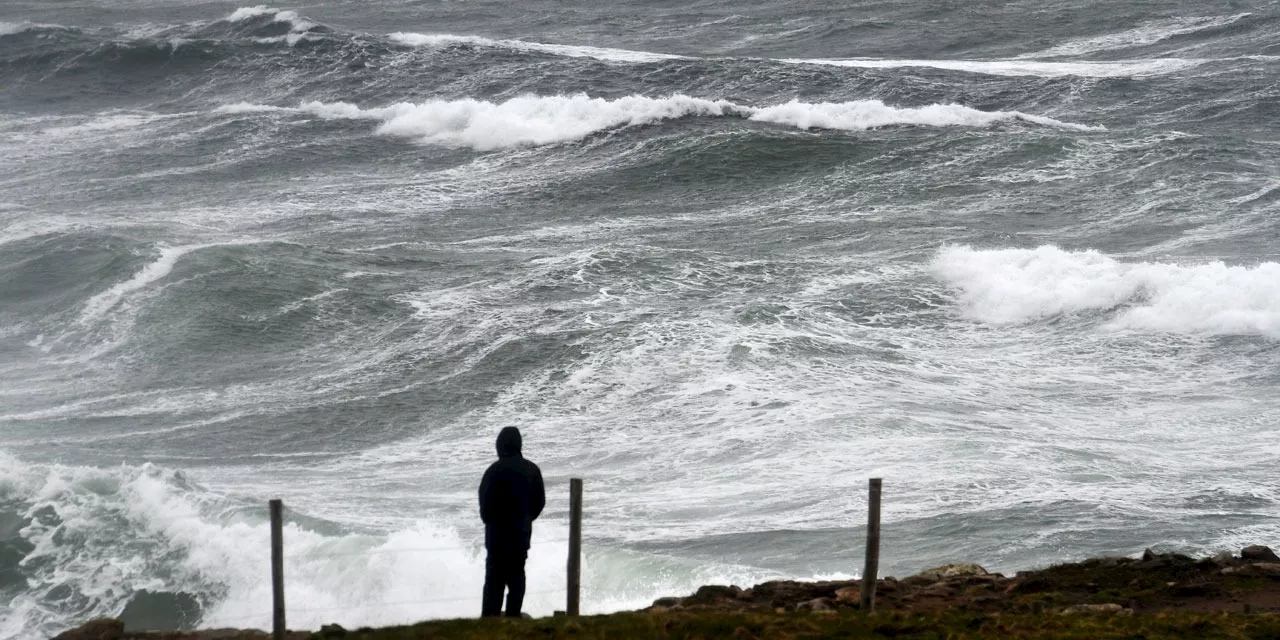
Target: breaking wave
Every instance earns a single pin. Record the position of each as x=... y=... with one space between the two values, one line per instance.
x=537 y=120
x=87 y=542
x=1013 y=286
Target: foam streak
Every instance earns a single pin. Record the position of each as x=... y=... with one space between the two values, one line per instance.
x=538 y=120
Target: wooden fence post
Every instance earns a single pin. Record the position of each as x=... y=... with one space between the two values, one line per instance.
x=575 y=547
x=872 y=566
x=277 y=570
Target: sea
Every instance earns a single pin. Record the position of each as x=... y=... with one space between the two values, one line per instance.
x=724 y=261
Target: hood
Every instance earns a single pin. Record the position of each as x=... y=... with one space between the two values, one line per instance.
x=508 y=442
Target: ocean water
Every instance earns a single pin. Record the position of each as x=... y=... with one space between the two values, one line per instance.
x=725 y=261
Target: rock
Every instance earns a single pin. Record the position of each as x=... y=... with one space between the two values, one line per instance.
x=938 y=589
x=849 y=595
x=100 y=629
x=815 y=605
x=160 y=611
x=1269 y=569
x=666 y=602
x=1224 y=559
x=1259 y=553
x=953 y=571
x=1109 y=608
x=712 y=594
x=1148 y=555
x=332 y=631
x=657 y=609
x=1114 y=561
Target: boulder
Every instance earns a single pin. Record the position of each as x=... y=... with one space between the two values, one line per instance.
x=1224 y=559
x=334 y=630
x=815 y=605
x=851 y=596
x=1259 y=553
x=666 y=602
x=712 y=595
x=1268 y=569
x=160 y=611
x=100 y=629
x=1109 y=608
x=953 y=571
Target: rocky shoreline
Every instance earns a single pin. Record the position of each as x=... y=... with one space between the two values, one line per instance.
x=1156 y=583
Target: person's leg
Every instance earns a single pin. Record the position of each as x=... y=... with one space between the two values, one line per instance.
x=494 y=582
x=515 y=583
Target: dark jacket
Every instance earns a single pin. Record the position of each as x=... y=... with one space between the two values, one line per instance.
x=511 y=496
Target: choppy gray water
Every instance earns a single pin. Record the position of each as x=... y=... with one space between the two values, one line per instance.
x=725 y=261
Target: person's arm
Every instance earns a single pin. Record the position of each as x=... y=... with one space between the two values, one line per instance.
x=539 y=493
x=486 y=496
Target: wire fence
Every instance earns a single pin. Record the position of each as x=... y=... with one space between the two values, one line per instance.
x=573 y=571
x=264 y=618
x=308 y=555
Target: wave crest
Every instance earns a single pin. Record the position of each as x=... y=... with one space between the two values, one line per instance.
x=1015 y=286
x=538 y=120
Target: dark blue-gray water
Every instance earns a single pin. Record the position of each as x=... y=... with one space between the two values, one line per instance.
x=723 y=260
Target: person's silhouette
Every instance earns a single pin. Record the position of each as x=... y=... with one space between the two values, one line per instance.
x=511 y=497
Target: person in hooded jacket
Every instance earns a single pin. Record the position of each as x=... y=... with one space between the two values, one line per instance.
x=511 y=498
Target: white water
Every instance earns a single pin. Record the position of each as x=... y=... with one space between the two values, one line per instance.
x=107 y=533
x=539 y=120
x=571 y=51
x=1012 y=286
x=1037 y=68
x=1149 y=33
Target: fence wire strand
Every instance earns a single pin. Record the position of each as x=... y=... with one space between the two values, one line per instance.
x=342 y=554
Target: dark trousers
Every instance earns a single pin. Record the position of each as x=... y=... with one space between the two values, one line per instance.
x=503 y=570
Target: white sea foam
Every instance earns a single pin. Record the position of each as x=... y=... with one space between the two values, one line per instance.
x=297 y=23
x=1037 y=68
x=1020 y=66
x=101 y=303
x=247 y=107
x=570 y=51
x=10 y=28
x=108 y=122
x=536 y=120
x=1149 y=33
x=184 y=537
x=868 y=114
x=1013 y=286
